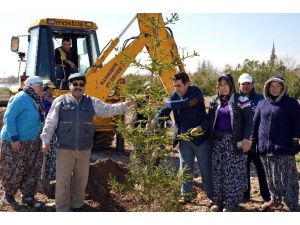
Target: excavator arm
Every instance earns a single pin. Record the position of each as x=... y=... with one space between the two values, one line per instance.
x=160 y=45
x=103 y=79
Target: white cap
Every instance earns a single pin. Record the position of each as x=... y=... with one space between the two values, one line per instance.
x=48 y=83
x=245 y=77
x=76 y=76
x=32 y=81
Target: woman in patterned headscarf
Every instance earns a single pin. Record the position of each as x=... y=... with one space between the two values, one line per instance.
x=230 y=118
x=21 y=156
x=229 y=123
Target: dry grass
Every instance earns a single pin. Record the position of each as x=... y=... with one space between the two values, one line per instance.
x=4 y=93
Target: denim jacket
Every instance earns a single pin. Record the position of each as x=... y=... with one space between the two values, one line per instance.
x=188 y=111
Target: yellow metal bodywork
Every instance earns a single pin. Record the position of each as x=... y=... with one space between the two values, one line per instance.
x=64 y=23
x=102 y=80
x=100 y=60
x=161 y=46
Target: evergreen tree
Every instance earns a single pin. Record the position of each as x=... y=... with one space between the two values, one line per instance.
x=151 y=177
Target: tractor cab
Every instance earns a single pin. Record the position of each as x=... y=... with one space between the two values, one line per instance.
x=46 y=35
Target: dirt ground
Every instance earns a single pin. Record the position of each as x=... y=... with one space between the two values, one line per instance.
x=100 y=198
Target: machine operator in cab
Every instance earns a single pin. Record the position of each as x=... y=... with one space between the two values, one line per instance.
x=66 y=61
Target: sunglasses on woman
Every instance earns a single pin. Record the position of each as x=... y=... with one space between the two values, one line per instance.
x=75 y=84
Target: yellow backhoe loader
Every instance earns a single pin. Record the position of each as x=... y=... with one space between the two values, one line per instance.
x=103 y=78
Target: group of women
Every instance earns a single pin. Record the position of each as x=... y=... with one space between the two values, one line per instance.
x=274 y=131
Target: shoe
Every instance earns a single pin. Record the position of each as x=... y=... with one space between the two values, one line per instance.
x=31 y=202
x=266 y=198
x=9 y=200
x=185 y=199
x=246 y=199
x=227 y=210
x=76 y=209
x=215 y=208
x=269 y=205
x=285 y=208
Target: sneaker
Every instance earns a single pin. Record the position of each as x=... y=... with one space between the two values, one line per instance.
x=227 y=209
x=9 y=200
x=185 y=199
x=215 y=208
x=210 y=203
x=269 y=205
x=31 y=202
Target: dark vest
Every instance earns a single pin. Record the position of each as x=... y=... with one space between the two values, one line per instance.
x=75 y=129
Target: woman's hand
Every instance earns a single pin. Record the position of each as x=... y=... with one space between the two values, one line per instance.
x=16 y=145
x=246 y=145
x=46 y=149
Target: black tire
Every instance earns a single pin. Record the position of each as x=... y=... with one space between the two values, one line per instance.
x=120 y=143
x=103 y=140
x=3 y=103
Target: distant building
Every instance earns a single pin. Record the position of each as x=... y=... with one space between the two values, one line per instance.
x=273 y=56
x=8 y=80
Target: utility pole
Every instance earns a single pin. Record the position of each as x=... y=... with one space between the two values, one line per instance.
x=182 y=52
x=4 y=77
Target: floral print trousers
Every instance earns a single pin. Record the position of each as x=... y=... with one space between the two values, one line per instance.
x=282 y=179
x=229 y=172
x=22 y=168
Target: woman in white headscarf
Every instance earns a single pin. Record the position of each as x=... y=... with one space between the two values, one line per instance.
x=21 y=156
x=276 y=129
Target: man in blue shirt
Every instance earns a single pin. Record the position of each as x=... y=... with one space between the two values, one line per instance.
x=187 y=104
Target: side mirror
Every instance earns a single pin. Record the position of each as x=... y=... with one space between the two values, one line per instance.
x=14 y=44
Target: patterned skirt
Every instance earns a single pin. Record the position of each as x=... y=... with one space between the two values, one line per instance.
x=229 y=172
x=51 y=160
x=21 y=169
